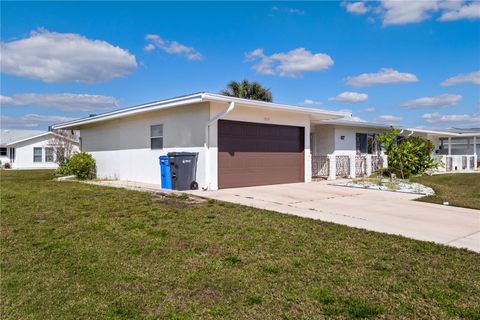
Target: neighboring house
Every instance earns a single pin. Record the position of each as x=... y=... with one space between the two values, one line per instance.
x=456 y=149
x=239 y=142
x=28 y=149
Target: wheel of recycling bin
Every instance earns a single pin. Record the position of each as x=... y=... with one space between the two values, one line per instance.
x=194 y=185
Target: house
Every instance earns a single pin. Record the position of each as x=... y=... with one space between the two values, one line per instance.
x=239 y=142
x=456 y=149
x=28 y=149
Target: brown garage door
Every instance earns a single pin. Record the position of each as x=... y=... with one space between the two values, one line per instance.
x=253 y=154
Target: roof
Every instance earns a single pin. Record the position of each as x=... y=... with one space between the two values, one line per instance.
x=41 y=134
x=445 y=133
x=10 y=135
x=354 y=123
x=317 y=114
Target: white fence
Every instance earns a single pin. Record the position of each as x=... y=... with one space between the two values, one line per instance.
x=458 y=162
x=332 y=166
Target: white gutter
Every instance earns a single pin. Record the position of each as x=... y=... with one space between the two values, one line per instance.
x=217 y=117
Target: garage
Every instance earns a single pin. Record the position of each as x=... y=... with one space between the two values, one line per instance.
x=254 y=154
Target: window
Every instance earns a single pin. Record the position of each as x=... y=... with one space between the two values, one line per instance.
x=367 y=143
x=3 y=151
x=156 y=136
x=12 y=154
x=48 y=154
x=361 y=142
x=37 y=154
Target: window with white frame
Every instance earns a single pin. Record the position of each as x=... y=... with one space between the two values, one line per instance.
x=49 y=154
x=37 y=154
x=156 y=136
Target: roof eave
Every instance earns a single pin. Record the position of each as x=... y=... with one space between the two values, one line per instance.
x=197 y=98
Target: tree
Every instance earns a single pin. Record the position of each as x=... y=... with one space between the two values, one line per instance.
x=408 y=156
x=63 y=143
x=247 y=90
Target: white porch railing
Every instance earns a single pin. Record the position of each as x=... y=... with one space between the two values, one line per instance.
x=332 y=166
x=458 y=162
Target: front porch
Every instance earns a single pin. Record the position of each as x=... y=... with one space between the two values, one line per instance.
x=346 y=166
x=456 y=152
x=345 y=151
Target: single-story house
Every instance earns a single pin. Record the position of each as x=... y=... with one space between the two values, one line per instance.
x=28 y=149
x=455 y=149
x=239 y=142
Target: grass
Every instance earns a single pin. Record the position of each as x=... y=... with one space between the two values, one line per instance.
x=76 y=251
x=458 y=189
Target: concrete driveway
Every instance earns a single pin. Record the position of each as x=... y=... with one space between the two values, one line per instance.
x=381 y=211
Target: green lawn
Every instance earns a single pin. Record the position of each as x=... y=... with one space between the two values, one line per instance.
x=458 y=189
x=76 y=251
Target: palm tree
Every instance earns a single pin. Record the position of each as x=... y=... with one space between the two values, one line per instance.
x=247 y=90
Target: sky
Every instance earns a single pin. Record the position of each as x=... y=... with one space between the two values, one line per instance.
x=406 y=63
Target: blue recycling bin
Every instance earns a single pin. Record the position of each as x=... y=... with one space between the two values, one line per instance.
x=166 y=179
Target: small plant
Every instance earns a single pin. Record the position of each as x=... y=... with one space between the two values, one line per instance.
x=82 y=165
x=64 y=169
x=7 y=165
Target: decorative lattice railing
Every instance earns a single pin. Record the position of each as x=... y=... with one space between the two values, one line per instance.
x=320 y=166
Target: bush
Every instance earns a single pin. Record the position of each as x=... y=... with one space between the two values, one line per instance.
x=7 y=165
x=410 y=156
x=64 y=169
x=82 y=165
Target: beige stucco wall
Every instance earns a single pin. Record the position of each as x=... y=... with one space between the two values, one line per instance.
x=328 y=139
x=121 y=147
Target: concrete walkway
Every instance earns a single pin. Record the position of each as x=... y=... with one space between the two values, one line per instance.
x=381 y=211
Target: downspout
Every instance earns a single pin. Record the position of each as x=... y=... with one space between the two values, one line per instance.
x=217 y=117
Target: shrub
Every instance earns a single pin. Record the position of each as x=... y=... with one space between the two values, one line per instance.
x=64 y=168
x=410 y=156
x=82 y=165
x=7 y=165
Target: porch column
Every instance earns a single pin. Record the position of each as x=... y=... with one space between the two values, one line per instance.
x=385 y=161
x=368 y=163
x=449 y=146
x=475 y=153
x=475 y=145
x=353 y=165
x=332 y=167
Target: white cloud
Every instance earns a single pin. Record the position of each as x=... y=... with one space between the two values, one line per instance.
x=65 y=57
x=389 y=119
x=172 y=47
x=350 y=97
x=384 y=76
x=437 y=117
x=403 y=12
x=472 y=77
x=312 y=102
x=396 y=12
x=31 y=121
x=67 y=102
x=356 y=7
x=469 y=11
x=441 y=101
x=293 y=63
x=369 y=110
x=289 y=10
